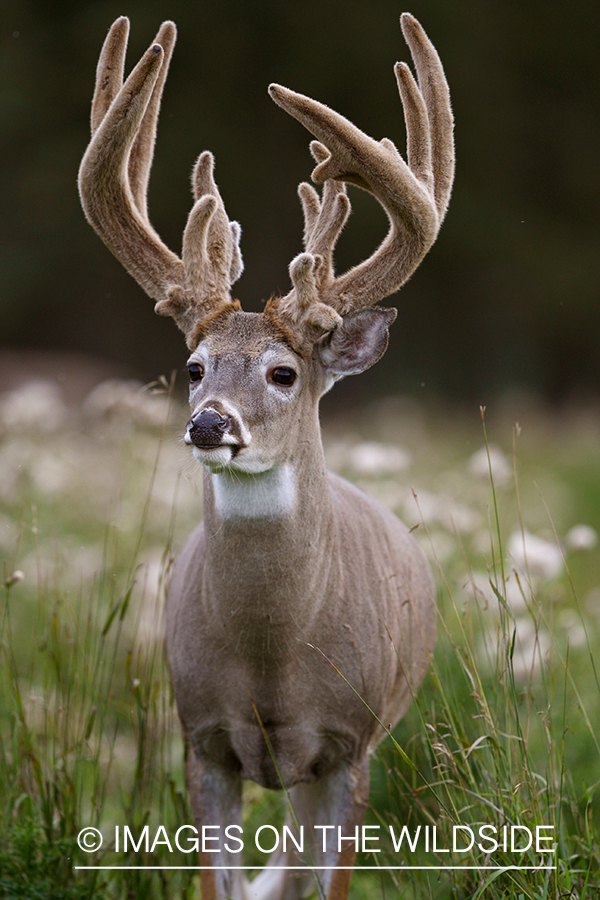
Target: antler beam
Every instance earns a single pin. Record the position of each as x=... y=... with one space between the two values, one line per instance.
x=113 y=182
x=414 y=194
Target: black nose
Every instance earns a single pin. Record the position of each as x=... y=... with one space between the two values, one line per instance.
x=207 y=428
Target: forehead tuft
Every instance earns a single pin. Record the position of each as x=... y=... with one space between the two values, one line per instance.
x=242 y=333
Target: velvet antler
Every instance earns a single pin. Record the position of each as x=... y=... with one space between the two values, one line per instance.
x=113 y=180
x=414 y=193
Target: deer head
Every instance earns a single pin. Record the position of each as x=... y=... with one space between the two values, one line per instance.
x=327 y=326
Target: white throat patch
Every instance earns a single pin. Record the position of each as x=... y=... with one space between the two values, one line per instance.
x=268 y=494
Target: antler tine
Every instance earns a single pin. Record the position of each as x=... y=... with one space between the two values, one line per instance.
x=211 y=253
x=109 y=81
x=106 y=194
x=323 y=218
x=436 y=94
x=113 y=180
x=312 y=272
x=414 y=195
x=142 y=152
x=109 y=71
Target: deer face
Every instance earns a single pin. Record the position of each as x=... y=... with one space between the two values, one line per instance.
x=248 y=388
x=255 y=384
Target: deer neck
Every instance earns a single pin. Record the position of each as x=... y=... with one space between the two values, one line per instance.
x=267 y=495
x=270 y=539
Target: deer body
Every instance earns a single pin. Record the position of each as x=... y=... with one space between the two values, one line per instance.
x=300 y=615
x=251 y=637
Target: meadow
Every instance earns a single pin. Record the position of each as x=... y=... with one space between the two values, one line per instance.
x=504 y=734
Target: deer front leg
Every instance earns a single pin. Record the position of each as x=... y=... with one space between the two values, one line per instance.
x=216 y=801
x=338 y=800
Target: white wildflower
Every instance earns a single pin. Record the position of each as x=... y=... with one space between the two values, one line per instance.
x=573 y=626
x=581 y=537
x=372 y=458
x=479 y=465
x=14 y=578
x=535 y=556
x=126 y=400
x=35 y=406
x=443 y=509
x=532 y=645
x=478 y=587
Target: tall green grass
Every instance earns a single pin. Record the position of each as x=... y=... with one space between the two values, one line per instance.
x=495 y=742
x=505 y=730
x=88 y=733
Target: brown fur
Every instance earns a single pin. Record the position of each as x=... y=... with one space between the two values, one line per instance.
x=212 y=322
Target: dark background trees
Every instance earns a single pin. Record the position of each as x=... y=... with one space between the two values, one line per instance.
x=508 y=297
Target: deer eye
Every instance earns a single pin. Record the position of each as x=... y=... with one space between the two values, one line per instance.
x=283 y=376
x=195 y=371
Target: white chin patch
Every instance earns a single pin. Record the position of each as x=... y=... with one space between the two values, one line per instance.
x=270 y=494
x=219 y=458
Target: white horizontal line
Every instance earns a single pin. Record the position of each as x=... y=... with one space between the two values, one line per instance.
x=323 y=868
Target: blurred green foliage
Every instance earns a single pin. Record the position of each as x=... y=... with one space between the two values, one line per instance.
x=509 y=295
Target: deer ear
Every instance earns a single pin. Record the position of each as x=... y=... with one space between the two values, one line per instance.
x=358 y=342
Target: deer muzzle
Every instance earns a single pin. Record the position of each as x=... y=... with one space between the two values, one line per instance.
x=207 y=428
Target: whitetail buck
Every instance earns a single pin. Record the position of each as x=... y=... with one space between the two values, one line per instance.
x=301 y=609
